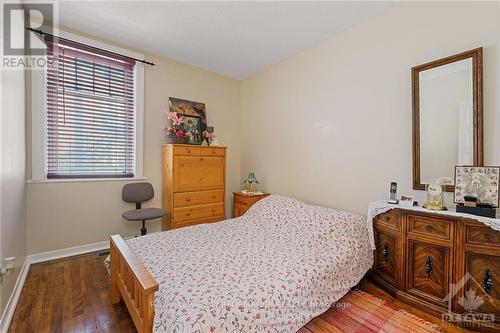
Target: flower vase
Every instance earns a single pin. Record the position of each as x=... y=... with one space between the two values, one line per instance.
x=182 y=140
x=171 y=137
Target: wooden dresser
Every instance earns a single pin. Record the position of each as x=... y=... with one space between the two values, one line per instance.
x=242 y=202
x=193 y=185
x=419 y=255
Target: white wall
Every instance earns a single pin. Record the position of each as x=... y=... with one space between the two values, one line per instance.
x=332 y=125
x=62 y=215
x=12 y=176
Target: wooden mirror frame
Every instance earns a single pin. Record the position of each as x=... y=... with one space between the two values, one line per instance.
x=477 y=105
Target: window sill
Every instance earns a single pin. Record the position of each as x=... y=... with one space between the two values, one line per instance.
x=85 y=180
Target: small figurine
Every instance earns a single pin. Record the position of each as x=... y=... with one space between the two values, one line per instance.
x=475 y=186
x=208 y=135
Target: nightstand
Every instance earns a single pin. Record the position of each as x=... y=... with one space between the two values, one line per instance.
x=242 y=202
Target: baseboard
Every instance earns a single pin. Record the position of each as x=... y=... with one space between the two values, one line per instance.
x=68 y=252
x=14 y=297
x=72 y=251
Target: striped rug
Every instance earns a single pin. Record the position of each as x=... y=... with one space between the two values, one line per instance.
x=360 y=312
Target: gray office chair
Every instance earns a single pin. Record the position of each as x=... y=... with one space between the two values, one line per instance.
x=138 y=193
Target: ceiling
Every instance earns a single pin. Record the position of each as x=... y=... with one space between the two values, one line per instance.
x=236 y=39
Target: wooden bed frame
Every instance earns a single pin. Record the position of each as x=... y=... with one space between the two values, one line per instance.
x=132 y=281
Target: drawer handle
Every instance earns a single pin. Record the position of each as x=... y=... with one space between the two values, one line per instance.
x=488 y=281
x=213 y=196
x=188 y=214
x=188 y=151
x=488 y=236
x=428 y=267
x=428 y=228
x=188 y=199
x=387 y=218
x=201 y=159
x=385 y=252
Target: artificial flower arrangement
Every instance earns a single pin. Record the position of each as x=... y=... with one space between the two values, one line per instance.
x=174 y=131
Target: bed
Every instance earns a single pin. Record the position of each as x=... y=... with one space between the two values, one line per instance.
x=270 y=270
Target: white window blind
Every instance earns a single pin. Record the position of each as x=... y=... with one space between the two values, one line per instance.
x=90 y=112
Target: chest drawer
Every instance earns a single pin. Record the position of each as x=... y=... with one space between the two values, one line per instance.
x=182 y=224
x=183 y=199
x=186 y=150
x=433 y=227
x=247 y=201
x=198 y=212
x=197 y=173
x=388 y=219
x=479 y=235
x=239 y=210
x=212 y=151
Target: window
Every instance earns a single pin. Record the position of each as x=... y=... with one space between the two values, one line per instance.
x=90 y=103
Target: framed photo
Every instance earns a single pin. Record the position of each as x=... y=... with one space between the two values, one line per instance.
x=406 y=201
x=192 y=127
x=479 y=182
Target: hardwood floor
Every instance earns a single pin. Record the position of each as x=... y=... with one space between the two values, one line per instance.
x=71 y=295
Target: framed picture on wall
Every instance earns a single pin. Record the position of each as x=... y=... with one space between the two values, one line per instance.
x=477 y=182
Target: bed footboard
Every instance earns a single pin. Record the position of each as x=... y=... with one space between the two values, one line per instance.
x=131 y=280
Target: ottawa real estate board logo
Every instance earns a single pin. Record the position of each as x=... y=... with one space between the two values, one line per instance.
x=22 y=48
x=476 y=294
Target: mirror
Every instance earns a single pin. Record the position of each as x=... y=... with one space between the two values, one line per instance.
x=447 y=117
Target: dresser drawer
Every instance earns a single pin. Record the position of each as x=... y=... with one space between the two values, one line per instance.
x=197 y=173
x=212 y=151
x=247 y=201
x=183 y=199
x=433 y=227
x=198 y=212
x=181 y=224
x=185 y=150
x=389 y=219
x=239 y=210
x=482 y=236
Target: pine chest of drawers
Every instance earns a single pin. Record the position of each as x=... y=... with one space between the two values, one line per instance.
x=431 y=262
x=193 y=185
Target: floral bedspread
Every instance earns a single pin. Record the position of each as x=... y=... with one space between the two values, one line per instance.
x=270 y=270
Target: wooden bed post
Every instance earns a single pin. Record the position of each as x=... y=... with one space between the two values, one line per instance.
x=133 y=282
x=114 y=292
x=148 y=315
